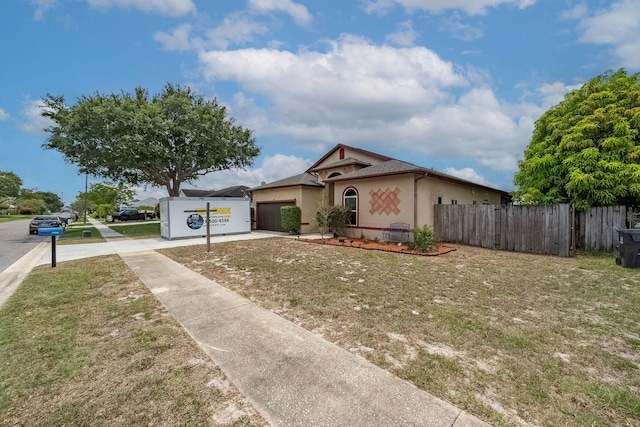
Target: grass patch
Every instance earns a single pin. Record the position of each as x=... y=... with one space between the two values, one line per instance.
x=74 y=235
x=87 y=344
x=512 y=338
x=7 y=218
x=138 y=230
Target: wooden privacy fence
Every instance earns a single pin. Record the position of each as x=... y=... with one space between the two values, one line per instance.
x=596 y=228
x=553 y=230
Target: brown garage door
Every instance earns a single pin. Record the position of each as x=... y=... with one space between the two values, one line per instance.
x=269 y=215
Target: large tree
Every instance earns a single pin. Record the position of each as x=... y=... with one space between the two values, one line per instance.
x=586 y=149
x=164 y=140
x=10 y=184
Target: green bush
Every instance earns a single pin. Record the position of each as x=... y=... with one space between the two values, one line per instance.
x=291 y=218
x=332 y=218
x=423 y=238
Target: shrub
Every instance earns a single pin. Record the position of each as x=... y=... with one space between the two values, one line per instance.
x=291 y=218
x=331 y=218
x=423 y=238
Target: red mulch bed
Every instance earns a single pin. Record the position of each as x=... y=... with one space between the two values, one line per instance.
x=379 y=246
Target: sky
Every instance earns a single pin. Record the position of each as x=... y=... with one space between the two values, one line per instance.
x=453 y=85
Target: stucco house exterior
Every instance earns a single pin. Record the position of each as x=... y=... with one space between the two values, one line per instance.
x=379 y=191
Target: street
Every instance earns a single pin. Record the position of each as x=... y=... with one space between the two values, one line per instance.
x=15 y=241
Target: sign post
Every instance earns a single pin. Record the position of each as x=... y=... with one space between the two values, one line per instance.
x=53 y=232
x=208 y=227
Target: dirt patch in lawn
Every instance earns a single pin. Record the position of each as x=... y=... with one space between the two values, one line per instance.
x=375 y=245
x=515 y=339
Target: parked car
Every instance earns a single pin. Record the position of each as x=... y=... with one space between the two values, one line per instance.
x=45 y=221
x=131 y=215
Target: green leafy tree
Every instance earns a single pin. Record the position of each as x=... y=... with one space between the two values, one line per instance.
x=586 y=149
x=10 y=184
x=51 y=200
x=108 y=193
x=164 y=140
x=31 y=205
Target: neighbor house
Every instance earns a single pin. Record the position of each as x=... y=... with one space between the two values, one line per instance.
x=235 y=191
x=379 y=191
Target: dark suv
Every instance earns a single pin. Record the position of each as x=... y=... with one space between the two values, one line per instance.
x=131 y=214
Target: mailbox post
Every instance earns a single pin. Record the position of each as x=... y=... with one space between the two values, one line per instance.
x=53 y=232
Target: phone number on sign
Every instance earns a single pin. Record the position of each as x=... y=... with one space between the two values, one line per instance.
x=219 y=221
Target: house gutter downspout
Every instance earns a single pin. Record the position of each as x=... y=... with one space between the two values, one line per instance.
x=418 y=176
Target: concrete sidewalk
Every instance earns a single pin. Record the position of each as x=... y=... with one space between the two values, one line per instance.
x=291 y=376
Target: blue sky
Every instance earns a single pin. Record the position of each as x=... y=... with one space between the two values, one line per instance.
x=454 y=85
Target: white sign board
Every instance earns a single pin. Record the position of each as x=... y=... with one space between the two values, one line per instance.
x=182 y=217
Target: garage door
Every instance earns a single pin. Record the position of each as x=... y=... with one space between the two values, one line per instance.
x=269 y=215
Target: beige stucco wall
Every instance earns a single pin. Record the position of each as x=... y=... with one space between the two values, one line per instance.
x=425 y=192
x=310 y=203
x=363 y=157
x=306 y=198
x=430 y=188
x=372 y=189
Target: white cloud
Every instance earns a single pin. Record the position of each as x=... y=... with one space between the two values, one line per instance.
x=4 y=115
x=459 y=29
x=405 y=36
x=41 y=6
x=164 y=7
x=470 y=7
x=178 y=39
x=617 y=26
x=273 y=168
x=358 y=93
x=468 y=174
x=235 y=29
x=299 y=13
x=33 y=122
x=553 y=93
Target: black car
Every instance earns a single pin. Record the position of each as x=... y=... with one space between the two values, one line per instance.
x=45 y=221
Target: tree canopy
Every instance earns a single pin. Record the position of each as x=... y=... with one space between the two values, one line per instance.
x=586 y=149
x=10 y=184
x=163 y=141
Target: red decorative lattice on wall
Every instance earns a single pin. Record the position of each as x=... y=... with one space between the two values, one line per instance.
x=384 y=201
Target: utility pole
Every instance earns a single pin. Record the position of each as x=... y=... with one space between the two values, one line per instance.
x=86 y=185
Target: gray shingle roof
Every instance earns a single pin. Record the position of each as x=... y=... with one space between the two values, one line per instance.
x=305 y=179
x=234 y=191
x=385 y=168
x=345 y=162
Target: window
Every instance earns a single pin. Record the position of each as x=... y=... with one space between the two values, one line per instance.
x=439 y=200
x=350 y=201
x=454 y=202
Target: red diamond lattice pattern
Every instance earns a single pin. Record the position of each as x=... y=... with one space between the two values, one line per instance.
x=384 y=202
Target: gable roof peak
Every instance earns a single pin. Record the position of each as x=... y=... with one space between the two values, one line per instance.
x=380 y=157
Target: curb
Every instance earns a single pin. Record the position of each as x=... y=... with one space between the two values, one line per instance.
x=13 y=276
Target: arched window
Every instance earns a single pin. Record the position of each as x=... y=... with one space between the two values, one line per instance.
x=350 y=201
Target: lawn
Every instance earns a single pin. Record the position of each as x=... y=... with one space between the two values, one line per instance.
x=7 y=218
x=514 y=339
x=74 y=235
x=138 y=230
x=86 y=344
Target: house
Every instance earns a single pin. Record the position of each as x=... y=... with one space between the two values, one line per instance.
x=149 y=201
x=235 y=191
x=379 y=191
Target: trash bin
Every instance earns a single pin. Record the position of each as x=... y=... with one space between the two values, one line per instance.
x=86 y=233
x=629 y=248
